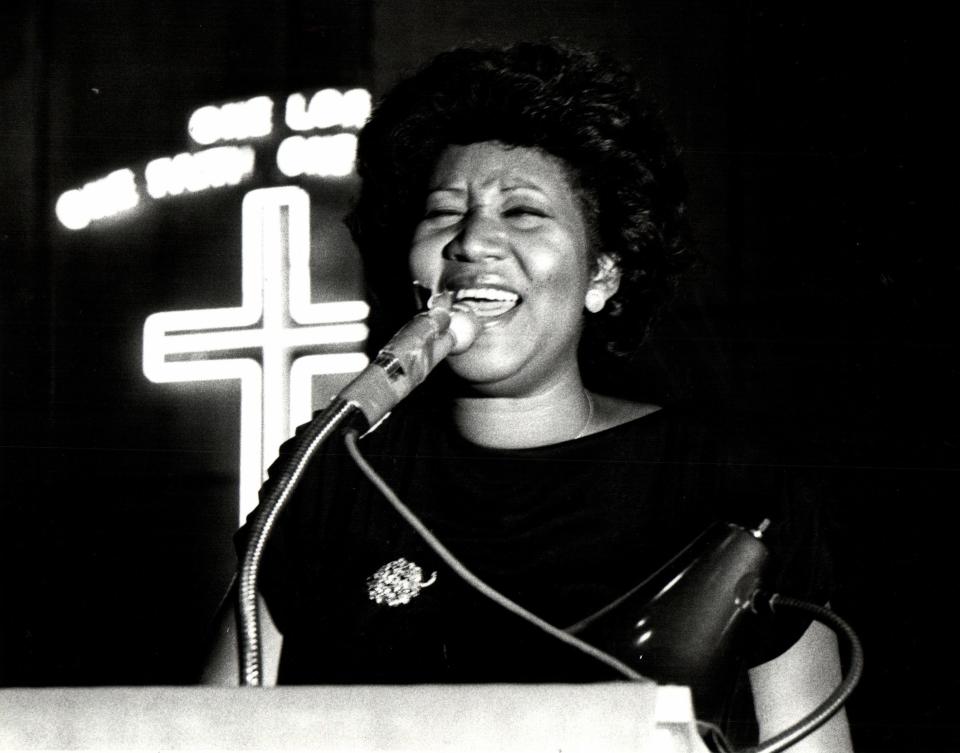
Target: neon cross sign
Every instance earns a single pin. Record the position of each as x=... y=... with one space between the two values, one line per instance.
x=276 y=318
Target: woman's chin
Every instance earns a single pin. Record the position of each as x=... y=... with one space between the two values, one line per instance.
x=478 y=371
x=493 y=366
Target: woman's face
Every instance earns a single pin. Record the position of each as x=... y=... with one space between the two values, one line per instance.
x=503 y=230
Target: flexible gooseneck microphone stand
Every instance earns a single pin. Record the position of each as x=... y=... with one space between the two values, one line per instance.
x=274 y=497
x=403 y=363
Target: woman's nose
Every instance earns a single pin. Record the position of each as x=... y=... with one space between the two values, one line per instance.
x=480 y=238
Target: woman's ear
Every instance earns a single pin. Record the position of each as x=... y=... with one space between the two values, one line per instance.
x=604 y=283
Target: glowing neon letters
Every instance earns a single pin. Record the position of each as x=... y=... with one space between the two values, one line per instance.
x=191 y=173
x=276 y=319
x=234 y=121
x=325 y=155
x=328 y=108
x=102 y=198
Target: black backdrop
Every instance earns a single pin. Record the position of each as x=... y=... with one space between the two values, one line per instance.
x=824 y=305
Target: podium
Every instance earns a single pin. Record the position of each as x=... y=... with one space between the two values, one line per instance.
x=621 y=716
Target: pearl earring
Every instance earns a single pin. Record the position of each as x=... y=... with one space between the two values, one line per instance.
x=595 y=301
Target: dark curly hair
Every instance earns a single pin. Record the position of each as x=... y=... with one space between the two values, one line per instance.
x=575 y=105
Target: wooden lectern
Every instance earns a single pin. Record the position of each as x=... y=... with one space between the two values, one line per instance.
x=620 y=716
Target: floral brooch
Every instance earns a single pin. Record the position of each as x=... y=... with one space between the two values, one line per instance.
x=397 y=582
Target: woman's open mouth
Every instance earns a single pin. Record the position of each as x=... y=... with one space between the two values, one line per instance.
x=487 y=303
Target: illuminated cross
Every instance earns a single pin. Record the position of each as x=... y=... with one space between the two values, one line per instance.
x=277 y=319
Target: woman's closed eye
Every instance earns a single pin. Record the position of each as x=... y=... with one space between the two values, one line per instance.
x=525 y=215
x=443 y=213
x=522 y=216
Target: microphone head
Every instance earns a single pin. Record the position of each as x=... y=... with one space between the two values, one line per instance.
x=464 y=326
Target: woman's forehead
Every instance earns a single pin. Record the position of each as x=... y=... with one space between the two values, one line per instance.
x=489 y=163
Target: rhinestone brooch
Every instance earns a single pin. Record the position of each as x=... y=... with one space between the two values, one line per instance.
x=397 y=582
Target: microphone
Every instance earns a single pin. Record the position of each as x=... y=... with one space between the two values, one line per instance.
x=445 y=328
x=403 y=363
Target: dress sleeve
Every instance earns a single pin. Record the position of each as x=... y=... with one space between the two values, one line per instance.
x=761 y=480
x=800 y=566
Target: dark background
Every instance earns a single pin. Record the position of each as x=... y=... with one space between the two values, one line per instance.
x=824 y=305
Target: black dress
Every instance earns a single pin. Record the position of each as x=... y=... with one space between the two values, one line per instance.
x=562 y=530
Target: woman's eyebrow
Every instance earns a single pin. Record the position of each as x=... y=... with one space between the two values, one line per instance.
x=510 y=184
x=525 y=184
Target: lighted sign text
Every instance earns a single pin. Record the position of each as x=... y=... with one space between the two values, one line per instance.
x=328 y=108
x=326 y=155
x=199 y=171
x=236 y=121
x=109 y=196
x=276 y=321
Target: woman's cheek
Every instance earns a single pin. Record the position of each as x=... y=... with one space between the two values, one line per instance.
x=425 y=265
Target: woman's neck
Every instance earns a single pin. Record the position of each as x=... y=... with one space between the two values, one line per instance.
x=564 y=411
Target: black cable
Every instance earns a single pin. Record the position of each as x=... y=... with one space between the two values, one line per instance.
x=713 y=737
x=832 y=703
x=350 y=439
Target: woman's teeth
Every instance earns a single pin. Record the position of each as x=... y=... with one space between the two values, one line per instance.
x=487 y=302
